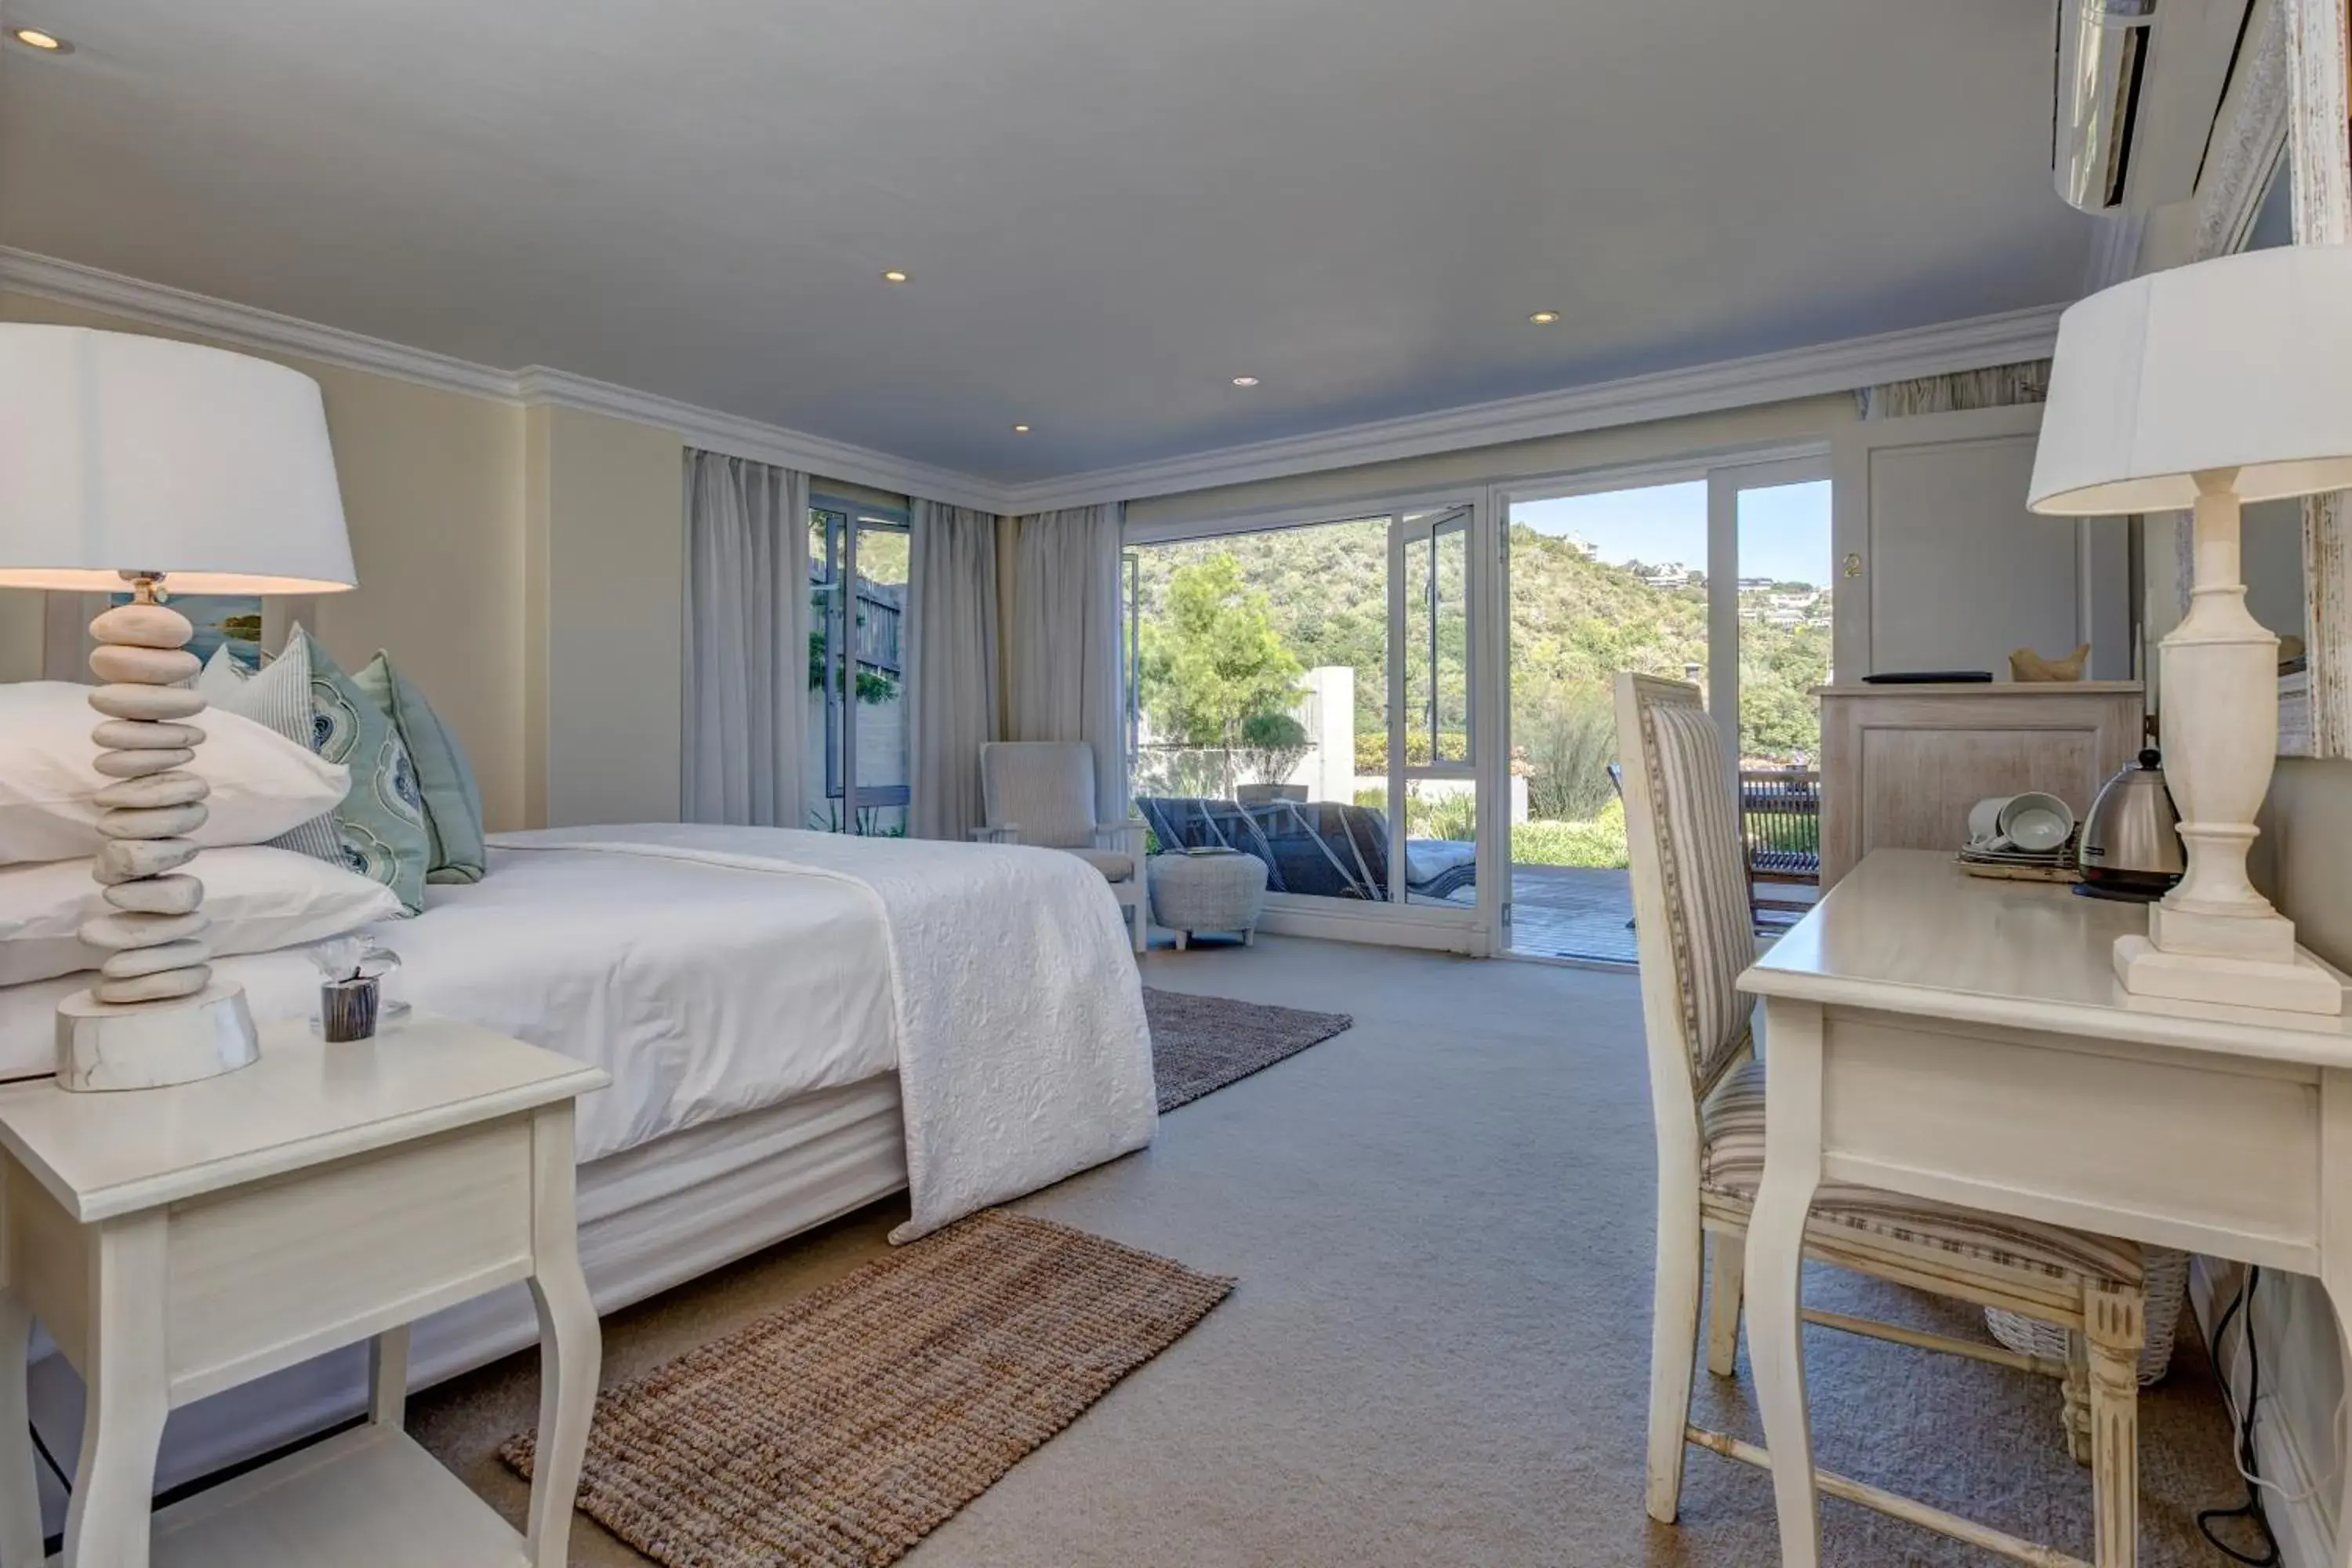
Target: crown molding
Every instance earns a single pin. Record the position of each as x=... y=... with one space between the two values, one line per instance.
x=739 y=437
x=267 y=332
x=1702 y=389
x=242 y=326
x=1972 y=344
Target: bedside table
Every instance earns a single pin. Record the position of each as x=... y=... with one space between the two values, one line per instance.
x=179 y=1241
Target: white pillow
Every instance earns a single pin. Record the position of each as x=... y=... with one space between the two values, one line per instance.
x=259 y=899
x=278 y=699
x=263 y=783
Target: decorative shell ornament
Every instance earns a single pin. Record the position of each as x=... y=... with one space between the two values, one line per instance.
x=2024 y=664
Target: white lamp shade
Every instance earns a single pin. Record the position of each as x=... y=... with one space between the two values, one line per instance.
x=127 y=453
x=2239 y=362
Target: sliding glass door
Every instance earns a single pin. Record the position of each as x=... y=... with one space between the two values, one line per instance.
x=1600 y=580
x=1715 y=574
x=1771 y=533
x=856 y=779
x=1407 y=712
x=1302 y=690
x=1433 y=771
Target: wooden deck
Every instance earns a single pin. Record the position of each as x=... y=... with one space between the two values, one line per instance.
x=1564 y=911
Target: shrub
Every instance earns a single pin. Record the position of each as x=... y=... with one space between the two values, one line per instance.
x=1598 y=842
x=1273 y=745
x=1373 y=748
x=1569 y=736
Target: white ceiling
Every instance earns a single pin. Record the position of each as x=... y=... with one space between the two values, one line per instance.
x=1110 y=208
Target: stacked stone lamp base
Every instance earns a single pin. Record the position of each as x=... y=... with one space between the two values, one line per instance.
x=155 y=1016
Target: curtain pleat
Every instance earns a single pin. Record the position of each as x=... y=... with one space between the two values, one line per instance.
x=747 y=619
x=952 y=620
x=1062 y=640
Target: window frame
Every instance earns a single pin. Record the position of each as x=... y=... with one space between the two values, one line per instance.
x=842 y=521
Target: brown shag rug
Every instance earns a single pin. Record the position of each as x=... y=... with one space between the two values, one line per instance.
x=841 y=1429
x=1200 y=1044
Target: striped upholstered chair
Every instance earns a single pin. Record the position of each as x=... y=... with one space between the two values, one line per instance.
x=1706 y=1089
x=1043 y=793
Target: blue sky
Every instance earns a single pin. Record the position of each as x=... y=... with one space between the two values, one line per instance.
x=1784 y=532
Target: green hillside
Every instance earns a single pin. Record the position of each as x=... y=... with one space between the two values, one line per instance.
x=1293 y=599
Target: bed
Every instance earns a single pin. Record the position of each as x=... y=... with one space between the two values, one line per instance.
x=796 y=1024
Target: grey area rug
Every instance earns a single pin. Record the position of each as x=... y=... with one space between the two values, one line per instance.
x=1200 y=1044
x=841 y=1429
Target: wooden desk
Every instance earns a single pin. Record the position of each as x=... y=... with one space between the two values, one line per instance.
x=1950 y=1037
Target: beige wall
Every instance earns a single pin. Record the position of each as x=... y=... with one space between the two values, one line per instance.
x=446 y=507
x=1773 y=424
x=605 y=555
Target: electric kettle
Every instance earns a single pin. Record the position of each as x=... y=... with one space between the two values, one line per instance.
x=2131 y=845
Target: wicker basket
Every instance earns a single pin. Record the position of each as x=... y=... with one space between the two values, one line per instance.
x=2168 y=1288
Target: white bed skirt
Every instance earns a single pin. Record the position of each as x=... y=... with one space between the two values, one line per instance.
x=650 y=1217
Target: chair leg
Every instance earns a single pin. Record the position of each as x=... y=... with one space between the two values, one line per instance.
x=1726 y=1277
x=1141 y=915
x=2117 y=1327
x=1182 y=938
x=2075 y=1415
x=1674 y=1351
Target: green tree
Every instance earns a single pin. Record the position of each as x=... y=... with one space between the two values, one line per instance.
x=1211 y=658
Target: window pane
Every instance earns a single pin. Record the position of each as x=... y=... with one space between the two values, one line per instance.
x=1437 y=621
x=1262 y=690
x=1784 y=621
x=878 y=636
x=1599 y=582
x=820 y=765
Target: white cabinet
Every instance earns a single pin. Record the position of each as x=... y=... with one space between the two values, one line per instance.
x=1941 y=567
x=1902 y=764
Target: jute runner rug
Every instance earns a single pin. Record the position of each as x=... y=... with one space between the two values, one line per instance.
x=841 y=1429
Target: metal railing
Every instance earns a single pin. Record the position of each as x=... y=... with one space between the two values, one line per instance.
x=1780 y=828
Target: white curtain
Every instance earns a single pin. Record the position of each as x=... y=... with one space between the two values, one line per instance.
x=951 y=657
x=1062 y=640
x=747 y=655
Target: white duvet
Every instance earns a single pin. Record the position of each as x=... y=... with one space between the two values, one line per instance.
x=715 y=971
x=1023 y=1052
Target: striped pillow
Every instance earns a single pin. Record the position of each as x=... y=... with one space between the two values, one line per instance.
x=279 y=698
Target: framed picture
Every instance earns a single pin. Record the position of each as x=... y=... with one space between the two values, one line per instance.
x=222 y=620
x=244 y=623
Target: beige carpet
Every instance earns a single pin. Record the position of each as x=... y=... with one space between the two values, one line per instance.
x=1200 y=1043
x=1443 y=1219
x=843 y=1427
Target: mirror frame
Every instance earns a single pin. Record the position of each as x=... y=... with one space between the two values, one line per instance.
x=2291 y=100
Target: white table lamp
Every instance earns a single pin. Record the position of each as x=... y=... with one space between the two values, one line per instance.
x=134 y=460
x=2205 y=387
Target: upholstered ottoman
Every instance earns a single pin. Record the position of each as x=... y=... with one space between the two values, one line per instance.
x=1214 y=892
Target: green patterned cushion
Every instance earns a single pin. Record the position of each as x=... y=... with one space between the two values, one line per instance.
x=381 y=820
x=452 y=802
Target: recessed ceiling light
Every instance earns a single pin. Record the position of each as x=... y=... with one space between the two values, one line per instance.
x=1021 y=429
x=894 y=275
x=1544 y=318
x=1244 y=381
x=33 y=38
